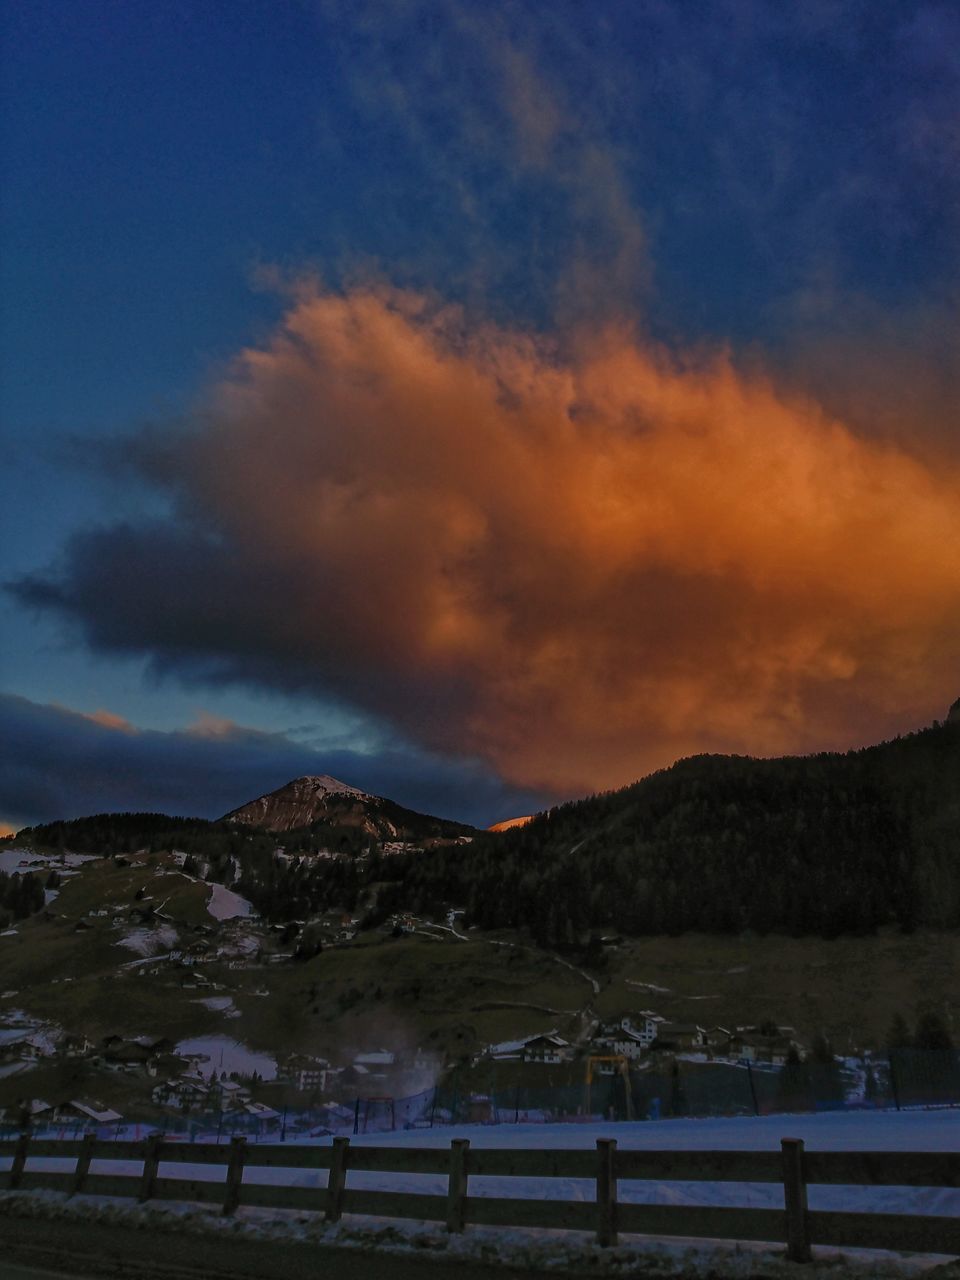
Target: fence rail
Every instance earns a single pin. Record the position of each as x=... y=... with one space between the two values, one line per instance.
x=795 y=1225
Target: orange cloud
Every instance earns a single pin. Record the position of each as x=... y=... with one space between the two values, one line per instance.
x=109 y=720
x=576 y=561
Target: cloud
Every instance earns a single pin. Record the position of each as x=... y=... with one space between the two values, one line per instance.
x=58 y=763
x=111 y=721
x=575 y=559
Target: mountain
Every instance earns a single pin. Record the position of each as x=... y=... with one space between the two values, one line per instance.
x=826 y=844
x=311 y=800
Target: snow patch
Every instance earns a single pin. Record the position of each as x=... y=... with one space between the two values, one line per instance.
x=149 y=942
x=224 y=904
x=227 y=1055
x=220 y=1004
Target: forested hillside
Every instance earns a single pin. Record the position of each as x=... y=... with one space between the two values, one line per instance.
x=824 y=844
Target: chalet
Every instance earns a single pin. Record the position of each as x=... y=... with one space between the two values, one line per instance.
x=548 y=1048
x=375 y=1064
x=75 y=1046
x=188 y=1093
x=91 y=1112
x=748 y=1045
x=306 y=1074
x=718 y=1040
x=23 y=1114
x=627 y=1038
x=139 y=1053
x=682 y=1037
x=264 y=1118
x=227 y=1095
x=13 y=1043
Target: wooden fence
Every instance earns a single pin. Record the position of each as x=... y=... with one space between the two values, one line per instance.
x=793 y=1167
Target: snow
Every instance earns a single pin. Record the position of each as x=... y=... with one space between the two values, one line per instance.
x=323 y=782
x=228 y=1055
x=148 y=942
x=20 y=861
x=224 y=904
x=220 y=1004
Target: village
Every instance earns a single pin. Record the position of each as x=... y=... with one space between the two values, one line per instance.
x=177 y=1084
x=186 y=944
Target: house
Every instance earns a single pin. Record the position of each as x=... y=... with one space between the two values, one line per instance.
x=24 y=1114
x=139 y=1052
x=306 y=1074
x=627 y=1039
x=548 y=1048
x=93 y=1112
x=13 y=1043
x=188 y=1093
x=718 y=1040
x=227 y=1095
x=749 y=1045
x=680 y=1036
x=375 y=1064
x=75 y=1046
x=264 y=1118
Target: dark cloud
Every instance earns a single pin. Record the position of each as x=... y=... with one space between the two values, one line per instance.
x=57 y=763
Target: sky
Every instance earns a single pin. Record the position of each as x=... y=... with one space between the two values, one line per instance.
x=486 y=403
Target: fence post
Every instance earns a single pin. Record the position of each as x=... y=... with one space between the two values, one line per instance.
x=231 y=1195
x=83 y=1163
x=19 y=1160
x=606 y=1192
x=893 y=1082
x=336 y=1179
x=753 y=1089
x=151 y=1164
x=795 y=1200
x=457 y=1185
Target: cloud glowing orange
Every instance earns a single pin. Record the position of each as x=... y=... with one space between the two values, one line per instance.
x=577 y=560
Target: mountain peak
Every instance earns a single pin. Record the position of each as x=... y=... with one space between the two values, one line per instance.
x=953 y=715
x=320 y=798
x=304 y=800
x=323 y=783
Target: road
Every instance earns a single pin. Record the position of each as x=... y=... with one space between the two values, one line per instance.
x=35 y=1249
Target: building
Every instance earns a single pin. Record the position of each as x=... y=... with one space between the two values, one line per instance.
x=92 y=1112
x=306 y=1074
x=681 y=1037
x=547 y=1048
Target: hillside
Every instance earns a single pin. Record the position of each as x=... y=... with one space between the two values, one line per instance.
x=826 y=844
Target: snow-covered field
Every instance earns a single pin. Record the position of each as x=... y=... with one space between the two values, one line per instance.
x=834 y=1131
x=546 y=1250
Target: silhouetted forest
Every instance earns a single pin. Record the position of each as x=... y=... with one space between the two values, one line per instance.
x=825 y=844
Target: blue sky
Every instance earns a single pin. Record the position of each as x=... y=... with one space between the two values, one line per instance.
x=772 y=187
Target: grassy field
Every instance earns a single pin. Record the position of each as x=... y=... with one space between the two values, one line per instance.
x=849 y=988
